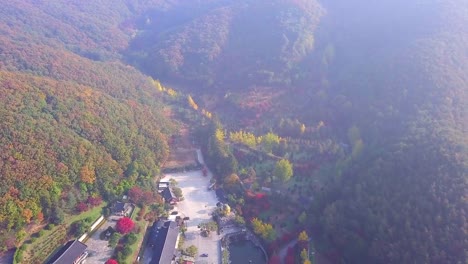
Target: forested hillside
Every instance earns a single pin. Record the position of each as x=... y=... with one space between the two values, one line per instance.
x=403 y=81
x=226 y=44
x=368 y=101
x=75 y=123
x=386 y=81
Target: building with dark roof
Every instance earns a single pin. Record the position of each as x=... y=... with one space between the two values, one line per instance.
x=73 y=252
x=121 y=208
x=168 y=196
x=164 y=237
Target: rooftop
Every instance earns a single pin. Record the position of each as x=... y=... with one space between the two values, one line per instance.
x=69 y=253
x=167 y=194
x=164 y=241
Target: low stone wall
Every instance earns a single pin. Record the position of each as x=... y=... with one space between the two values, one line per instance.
x=96 y=224
x=248 y=236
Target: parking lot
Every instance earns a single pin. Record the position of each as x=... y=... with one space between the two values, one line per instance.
x=98 y=249
x=198 y=204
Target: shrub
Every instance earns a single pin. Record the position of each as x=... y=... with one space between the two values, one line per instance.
x=132 y=238
x=127 y=251
x=125 y=225
x=114 y=239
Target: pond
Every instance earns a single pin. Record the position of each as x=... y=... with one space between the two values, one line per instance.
x=244 y=251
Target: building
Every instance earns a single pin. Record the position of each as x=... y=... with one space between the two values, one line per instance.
x=163 y=185
x=168 y=196
x=121 y=208
x=73 y=252
x=164 y=237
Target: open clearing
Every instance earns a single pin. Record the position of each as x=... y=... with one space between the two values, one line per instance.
x=198 y=204
x=182 y=151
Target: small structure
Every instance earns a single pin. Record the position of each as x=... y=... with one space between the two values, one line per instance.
x=73 y=252
x=121 y=208
x=163 y=185
x=164 y=238
x=168 y=196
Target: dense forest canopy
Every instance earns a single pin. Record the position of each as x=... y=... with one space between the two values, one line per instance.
x=388 y=79
x=373 y=94
x=75 y=122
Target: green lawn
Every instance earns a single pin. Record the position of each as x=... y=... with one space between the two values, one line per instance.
x=136 y=247
x=94 y=213
x=42 y=247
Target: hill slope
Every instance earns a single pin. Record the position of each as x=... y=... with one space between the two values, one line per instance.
x=395 y=72
x=74 y=121
x=388 y=80
x=226 y=41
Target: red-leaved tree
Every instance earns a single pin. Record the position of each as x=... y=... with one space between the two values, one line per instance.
x=275 y=259
x=82 y=207
x=125 y=225
x=94 y=200
x=290 y=259
x=135 y=194
x=112 y=261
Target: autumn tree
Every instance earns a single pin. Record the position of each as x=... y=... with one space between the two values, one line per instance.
x=125 y=225
x=94 y=200
x=265 y=230
x=81 y=207
x=87 y=174
x=39 y=217
x=245 y=138
x=283 y=170
x=269 y=141
x=111 y=261
x=231 y=180
x=303 y=237
x=27 y=214
x=135 y=194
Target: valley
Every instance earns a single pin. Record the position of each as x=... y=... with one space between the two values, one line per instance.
x=331 y=132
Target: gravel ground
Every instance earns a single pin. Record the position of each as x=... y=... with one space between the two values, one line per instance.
x=99 y=251
x=198 y=204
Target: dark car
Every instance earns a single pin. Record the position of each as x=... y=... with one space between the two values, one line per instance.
x=174 y=213
x=204 y=255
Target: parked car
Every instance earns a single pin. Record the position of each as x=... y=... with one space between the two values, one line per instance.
x=204 y=255
x=174 y=213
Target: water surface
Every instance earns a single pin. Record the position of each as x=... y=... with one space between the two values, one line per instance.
x=244 y=251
